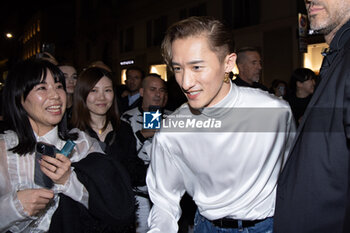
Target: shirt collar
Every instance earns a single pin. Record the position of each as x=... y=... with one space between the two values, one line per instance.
x=133 y=98
x=50 y=137
x=223 y=105
x=340 y=38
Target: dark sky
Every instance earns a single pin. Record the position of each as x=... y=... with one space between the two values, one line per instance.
x=14 y=12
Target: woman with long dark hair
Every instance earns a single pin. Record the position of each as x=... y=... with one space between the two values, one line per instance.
x=41 y=188
x=96 y=112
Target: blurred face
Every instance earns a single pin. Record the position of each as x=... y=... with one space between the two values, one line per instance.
x=153 y=92
x=327 y=16
x=71 y=78
x=307 y=86
x=133 y=81
x=250 y=67
x=280 y=90
x=45 y=105
x=101 y=97
x=199 y=72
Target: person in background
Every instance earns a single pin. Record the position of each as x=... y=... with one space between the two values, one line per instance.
x=70 y=74
x=302 y=86
x=83 y=191
x=314 y=187
x=96 y=113
x=279 y=88
x=131 y=97
x=229 y=168
x=154 y=94
x=249 y=65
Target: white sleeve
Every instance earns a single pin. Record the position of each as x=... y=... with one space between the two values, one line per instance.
x=165 y=187
x=74 y=189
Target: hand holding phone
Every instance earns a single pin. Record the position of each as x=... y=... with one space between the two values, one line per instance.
x=50 y=150
x=39 y=177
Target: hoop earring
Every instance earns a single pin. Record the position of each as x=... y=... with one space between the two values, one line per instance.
x=227 y=77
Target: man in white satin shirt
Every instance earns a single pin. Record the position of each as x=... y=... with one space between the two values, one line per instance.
x=226 y=146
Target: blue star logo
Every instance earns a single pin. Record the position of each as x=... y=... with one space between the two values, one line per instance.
x=151 y=120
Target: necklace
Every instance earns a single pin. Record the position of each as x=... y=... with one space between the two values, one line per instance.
x=102 y=133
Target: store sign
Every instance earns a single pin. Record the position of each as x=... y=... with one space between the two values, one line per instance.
x=127 y=62
x=302 y=28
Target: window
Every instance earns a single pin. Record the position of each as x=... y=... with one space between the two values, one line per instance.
x=129 y=39
x=241 y=13
x=126 y=40
x=159 y=69
x=313 y=58
x=155 y=31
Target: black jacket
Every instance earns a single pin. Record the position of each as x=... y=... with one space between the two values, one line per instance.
x=120 y=144
x=313 y=192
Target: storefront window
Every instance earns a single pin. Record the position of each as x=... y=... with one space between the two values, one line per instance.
x=313 y=58
x=159 y=69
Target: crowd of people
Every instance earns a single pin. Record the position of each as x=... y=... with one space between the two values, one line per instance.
x=248 y=158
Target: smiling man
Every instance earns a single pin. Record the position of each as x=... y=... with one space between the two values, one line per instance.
x=313 y=190
x=214 y=148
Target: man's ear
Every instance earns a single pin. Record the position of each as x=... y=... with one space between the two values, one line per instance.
x=141 y=92
x=230 y=62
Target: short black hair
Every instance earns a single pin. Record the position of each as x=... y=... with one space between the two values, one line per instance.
x=300 y=75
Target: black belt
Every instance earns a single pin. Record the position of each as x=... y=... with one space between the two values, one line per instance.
x=232 y=223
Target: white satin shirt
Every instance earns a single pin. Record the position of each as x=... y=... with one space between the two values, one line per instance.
x=230 y=171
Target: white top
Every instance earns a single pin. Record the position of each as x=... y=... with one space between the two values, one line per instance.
x=17 y=173
x=230 y=171
x=135 y=118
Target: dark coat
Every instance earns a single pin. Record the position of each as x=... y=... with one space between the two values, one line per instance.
x=111 y=199
x=313 y=190
x=120 y=144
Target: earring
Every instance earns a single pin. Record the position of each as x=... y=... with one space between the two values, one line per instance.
x=227 y=77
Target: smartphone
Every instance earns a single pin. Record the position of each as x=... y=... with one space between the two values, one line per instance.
x=41 y=149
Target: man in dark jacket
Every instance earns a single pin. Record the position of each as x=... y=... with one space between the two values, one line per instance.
x=250 y=67
x=313 y=190
x=132 y=98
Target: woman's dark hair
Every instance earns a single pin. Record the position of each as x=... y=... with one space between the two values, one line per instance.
x=87 y=80
x=20 y=81
x=300 y=75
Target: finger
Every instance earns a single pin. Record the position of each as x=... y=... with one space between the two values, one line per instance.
x=38 y=207
x=65 y=162
x=46 y=193
x=51 y=160
x=62 y=158
x=49 y=166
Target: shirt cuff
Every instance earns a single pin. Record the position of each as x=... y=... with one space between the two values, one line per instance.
x=74 y=189
x=19 y=207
